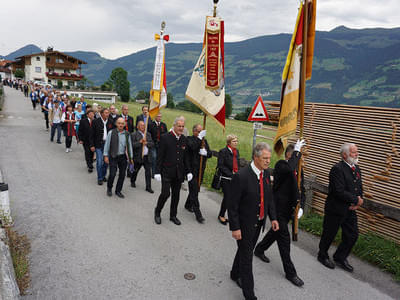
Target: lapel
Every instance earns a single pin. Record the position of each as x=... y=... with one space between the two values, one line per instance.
x=349 y=170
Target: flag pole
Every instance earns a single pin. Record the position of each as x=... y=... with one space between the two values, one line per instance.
x=295 y=223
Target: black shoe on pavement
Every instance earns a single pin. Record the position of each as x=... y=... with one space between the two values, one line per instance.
x=157 y=218
x=105 y=179
x=109 y=193
x=238 y=281
x=344 y=265
x=119 y=194
x=295 y=280
x=133 y=184
x=262 y=257
x=100 y=182
x=58 y=142
x=175 y=220
x=189 y=208
x=90 y=170
x=326 y=262
x=150 y=190
x=199 y=217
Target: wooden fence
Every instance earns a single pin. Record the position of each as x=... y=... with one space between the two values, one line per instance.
x=375 y=131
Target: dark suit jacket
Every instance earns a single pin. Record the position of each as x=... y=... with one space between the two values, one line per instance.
x=172 y=158
x=225 y=161
x=141 y=118
x=130 y=123
x=98 y=131
x=153 y=130
x=344 y=188
x=85 y=132
x=194 y=145
x=285 y=187
x=244 y=200
x=138 y=147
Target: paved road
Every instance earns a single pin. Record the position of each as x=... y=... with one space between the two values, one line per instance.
x=88 y=246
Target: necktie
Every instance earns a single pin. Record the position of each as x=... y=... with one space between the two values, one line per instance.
x=90 y=123
x=261 y=197
x=126 y=122
x=353 y=168
x=158 y=132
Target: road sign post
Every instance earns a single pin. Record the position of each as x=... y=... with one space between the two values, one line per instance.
x=258 y=114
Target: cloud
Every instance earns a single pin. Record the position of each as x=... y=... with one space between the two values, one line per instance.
x=120 y=27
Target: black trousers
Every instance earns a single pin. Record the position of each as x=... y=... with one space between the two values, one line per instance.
x=224 y=205
x=331 y=225
x=117 y=163
x=88 y=156
x=46 y=118
x=146 y=163
x=243 y=263
x=33 y=104
x=282 y=237
x=169 y=186
x=193 y=197
x=68 y=141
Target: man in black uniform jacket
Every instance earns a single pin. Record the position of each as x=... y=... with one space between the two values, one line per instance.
x=86 y=138
x=249 y=204
x=143 y=117
x=172 y=165
x=345 y=193
x=194 y=152
x=286 y=193
x=157 y=129
x=128 y=119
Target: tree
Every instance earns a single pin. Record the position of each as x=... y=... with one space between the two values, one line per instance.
x=19 y=73
x=143 y=95
x=228 y=105
x=244 y=114
x=59 y=84
x=170 y=101
x=119 y=79
x=107 y=86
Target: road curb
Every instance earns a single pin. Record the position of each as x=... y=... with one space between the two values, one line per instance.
x=8 y=285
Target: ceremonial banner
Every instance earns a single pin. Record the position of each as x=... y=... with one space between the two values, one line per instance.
x=290 y=88
x=158 y=93
x=206 y=88
x=311 y=37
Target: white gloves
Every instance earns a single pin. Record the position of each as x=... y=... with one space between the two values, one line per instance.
x=202 y=134
x=203 y=152
x=299 y=145
x=157 y=177
x=299 y=213
x=189 y=176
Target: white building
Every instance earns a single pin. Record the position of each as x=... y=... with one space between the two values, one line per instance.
x=50 y=67
x=5 y=70
x=98 y=96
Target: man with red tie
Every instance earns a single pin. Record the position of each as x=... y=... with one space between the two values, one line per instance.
x=286 y=194
x=157 y=129
x=345 y=194
x=128 y=119
x=250 y=201
x=85 y=134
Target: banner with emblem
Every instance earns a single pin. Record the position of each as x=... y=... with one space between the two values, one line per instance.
x=206 y=88
x=158 y=92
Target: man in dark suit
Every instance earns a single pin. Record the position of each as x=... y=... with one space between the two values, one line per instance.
x=143 y=117
x=172 y=166
x=86 y=138
x=345 y=194
x=128 y=119
x=142 y=146
x=286 y=194
x=101 y=127
x=250 y=201
x=157 y=129
x=195 y=151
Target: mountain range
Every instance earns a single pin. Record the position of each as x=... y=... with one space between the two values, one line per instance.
x=351 y=66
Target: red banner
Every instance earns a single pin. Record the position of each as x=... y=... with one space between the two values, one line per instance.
x=213 y=53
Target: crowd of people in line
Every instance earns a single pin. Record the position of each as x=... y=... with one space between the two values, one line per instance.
x=250 y=193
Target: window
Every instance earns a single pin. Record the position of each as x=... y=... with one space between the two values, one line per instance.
x=59 y=60
x=37 y=58
x=38 y=69
x=47 y=59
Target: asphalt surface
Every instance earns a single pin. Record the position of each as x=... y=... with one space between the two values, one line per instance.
x=86 y=245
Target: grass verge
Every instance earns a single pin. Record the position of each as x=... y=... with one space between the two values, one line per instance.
x=19 y=248
x=370 y=247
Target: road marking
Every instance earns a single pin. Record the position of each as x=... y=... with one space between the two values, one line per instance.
x=11 y=117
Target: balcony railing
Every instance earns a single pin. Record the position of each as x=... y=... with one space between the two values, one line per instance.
x=64 y=76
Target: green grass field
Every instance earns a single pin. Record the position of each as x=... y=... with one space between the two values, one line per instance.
x=215 y=135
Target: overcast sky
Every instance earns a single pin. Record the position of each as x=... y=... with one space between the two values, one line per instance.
x=115 y=28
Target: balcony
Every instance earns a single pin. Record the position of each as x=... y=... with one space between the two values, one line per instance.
x=64 y=76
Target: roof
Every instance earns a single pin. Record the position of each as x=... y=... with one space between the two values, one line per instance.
x=53 y=52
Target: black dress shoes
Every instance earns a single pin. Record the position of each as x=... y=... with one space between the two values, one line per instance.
x=295 y=280
x=100 y=182
x=344 y=265
x=175 y=220
x=238 y=281
x=150 y=190
x=157 y=218
x=262 y=257
x=119 y=194
x=90 y=170
x=133 y=184
x=199 y=217
x=109 y=193
x=189 y=208
x=105 y=179
x=326 y=262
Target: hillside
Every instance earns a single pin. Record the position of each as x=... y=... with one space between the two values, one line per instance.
x=360 y=67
